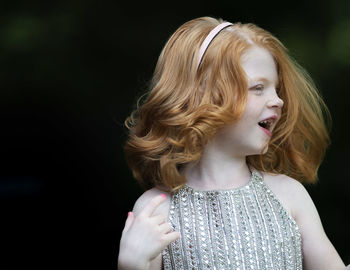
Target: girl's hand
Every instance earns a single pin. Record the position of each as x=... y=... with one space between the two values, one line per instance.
x=144 y=237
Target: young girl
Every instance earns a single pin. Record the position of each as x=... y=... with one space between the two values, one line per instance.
x=229 y=123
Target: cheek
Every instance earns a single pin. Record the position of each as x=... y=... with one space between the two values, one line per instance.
x=241 y=127
x=251 y=113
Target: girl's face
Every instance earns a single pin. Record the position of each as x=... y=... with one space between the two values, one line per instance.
x=250 y=134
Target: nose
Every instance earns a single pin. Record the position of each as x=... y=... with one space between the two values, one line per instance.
x=275 y=101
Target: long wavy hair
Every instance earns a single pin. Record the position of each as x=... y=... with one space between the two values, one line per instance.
x=185 y=107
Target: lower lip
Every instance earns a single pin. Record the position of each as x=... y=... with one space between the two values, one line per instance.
x=268 y=133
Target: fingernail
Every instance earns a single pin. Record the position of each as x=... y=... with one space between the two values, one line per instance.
x=129 y=213
x=163 y=196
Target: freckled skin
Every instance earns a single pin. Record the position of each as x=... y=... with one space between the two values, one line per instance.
x=245 y=136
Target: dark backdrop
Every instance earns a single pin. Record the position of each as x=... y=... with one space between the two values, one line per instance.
x=71 y=71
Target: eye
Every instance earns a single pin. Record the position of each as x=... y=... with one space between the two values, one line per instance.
x=258 y=87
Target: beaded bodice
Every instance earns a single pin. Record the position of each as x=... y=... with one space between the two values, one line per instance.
x=242 y=228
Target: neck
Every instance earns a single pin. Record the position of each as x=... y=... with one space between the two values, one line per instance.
x=217 y=170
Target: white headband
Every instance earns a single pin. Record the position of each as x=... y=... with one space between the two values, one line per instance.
x=209 y=39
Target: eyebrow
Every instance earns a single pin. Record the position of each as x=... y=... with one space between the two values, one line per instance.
x=264 y=80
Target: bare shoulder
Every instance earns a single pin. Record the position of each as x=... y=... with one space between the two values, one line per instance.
x=147 y=196
x=288 y=190
x=318 y=251
x=282 y=182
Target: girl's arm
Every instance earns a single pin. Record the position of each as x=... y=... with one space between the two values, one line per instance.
x=145 y=235
x=318 y=251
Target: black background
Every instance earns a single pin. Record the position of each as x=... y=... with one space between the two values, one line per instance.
x=71 y=71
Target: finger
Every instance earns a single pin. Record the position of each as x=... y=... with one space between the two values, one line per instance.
x=152 y=205
x=170 y=237
x=165 y=227
x=129 y=221
x=158 y=219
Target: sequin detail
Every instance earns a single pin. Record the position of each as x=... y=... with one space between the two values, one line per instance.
x=243 y=228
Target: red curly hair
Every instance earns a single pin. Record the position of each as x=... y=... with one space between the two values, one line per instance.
x=186 y=106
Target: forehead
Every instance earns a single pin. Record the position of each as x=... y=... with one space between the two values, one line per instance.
x=258 y=62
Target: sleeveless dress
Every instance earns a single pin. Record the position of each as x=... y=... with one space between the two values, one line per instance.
x=242 y=228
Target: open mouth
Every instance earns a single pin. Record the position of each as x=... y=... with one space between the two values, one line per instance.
x=267 y=125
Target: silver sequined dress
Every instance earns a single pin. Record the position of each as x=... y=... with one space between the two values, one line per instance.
x=242 y=228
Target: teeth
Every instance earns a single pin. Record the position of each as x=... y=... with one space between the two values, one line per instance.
x=266 y=123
